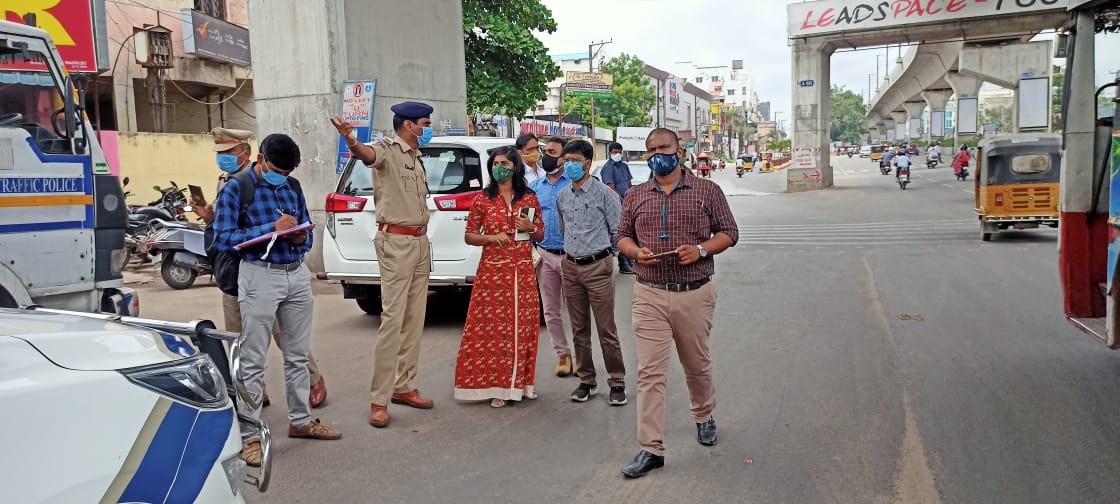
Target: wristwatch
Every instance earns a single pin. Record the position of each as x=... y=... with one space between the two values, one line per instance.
x=703 y=251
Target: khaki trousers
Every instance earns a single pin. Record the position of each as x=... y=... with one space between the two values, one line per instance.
x=405 y=263
x=662 y=319
x=231 y=309
x=550 y=279
x=589 y=289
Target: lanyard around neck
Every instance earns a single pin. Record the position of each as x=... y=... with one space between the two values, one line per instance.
x=665 y=208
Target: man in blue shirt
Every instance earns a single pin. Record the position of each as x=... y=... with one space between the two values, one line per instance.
x=273 y=282
x=549 y=277
x=616 y=174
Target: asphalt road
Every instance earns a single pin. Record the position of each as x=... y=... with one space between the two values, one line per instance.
x=868 y=348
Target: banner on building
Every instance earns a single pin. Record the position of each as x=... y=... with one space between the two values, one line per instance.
x=357 y=109
x=70 y=24
x=834 y=16
x=214 y=38
x=551 y=128
x=593 y=84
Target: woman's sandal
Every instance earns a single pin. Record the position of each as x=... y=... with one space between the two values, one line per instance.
x=497 y=403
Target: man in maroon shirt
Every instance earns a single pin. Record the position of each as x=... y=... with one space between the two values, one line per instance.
x=687 y=219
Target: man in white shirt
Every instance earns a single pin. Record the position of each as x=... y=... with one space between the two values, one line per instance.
x=529 y=147
x=901 y=162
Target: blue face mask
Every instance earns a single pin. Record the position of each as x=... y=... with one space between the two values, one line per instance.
x=425 y=137
x=663 y=164
x=275 y=179
x=228 y=163
x=574 y=170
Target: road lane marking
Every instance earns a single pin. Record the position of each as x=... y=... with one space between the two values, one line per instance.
x=950 y=186
x=968 y=191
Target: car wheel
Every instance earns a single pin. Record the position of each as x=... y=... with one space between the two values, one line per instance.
x=371 y=304
x=176 y=276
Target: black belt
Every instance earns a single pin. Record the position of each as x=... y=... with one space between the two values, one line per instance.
x=585 y=260
x=678 y=287
x=558 y=252
x=292 y=266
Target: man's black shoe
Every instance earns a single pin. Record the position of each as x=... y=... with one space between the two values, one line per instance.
x=706 y=432
x=643 y=464
x=584 y=392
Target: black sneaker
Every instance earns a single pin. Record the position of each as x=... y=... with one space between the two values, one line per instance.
x=584 y=392
x=618 y=396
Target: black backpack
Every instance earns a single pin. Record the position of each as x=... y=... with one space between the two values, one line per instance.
x=226 y=264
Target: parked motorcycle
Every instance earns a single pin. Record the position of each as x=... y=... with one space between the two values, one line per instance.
x=181 y=248
x=171 y=206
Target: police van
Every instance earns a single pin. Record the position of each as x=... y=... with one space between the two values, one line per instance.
x=62 y=214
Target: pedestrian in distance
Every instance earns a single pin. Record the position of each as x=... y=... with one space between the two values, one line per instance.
x=498 y=352
x=530 y=149
x=672 y=226
x=273 y=283
x=233 y=156
x=589 y=212
x=616 y=175
x=550 y=277
x=400 y=196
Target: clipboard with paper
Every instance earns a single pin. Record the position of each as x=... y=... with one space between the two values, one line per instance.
x=272 y=237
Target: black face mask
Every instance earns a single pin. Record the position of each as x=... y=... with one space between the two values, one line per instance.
x=549 y=163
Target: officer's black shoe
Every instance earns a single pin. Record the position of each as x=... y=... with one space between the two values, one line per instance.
x=643 y=464
x=706 y=432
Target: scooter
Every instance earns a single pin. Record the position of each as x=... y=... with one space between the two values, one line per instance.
x=181 y=248
x=963 y=175
x=932 y=162
x=903 y=178
x=739 y=171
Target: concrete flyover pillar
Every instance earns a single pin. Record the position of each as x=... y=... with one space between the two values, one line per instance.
x=1009 y=67
x=899 y=125
x=341 y=40
x=889 y=126
x=966 y=89
x=936 y=99
x=811 y=116
x=913 y=118
x=873 y=135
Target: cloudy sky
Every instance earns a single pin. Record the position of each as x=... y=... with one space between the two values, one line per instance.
x=711 y=32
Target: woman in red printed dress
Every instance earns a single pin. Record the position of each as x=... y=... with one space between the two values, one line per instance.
x=498 y=353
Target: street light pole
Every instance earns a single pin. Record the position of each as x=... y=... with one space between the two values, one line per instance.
x=591 y=68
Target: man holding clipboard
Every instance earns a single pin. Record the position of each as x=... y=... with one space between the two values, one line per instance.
x=273 y=282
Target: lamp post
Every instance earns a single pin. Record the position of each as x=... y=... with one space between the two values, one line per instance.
x=591 y=68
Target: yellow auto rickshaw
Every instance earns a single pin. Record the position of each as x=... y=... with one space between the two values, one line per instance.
x=1017 y=180
x=767 y=163
x=876 y=153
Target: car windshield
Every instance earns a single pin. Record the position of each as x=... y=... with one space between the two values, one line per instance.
x=451 y=170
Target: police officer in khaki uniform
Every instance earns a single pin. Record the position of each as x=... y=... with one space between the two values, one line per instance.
x=233 y=154
x=404 y=254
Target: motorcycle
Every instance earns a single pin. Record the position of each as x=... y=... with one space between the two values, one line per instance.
x=963 y=175
x=171 y=206
x=181 y=248
x=884 y=168
x=903 y=178
x=932 y=162
x=739 y=171
x=849 y=154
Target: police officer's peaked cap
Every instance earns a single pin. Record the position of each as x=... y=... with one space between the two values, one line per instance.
x=412 y=110
x=226 y=139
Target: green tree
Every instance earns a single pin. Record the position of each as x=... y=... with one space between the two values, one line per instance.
x=1000 y=115
x=508 y=67
x=848 y=113
x=633 y=98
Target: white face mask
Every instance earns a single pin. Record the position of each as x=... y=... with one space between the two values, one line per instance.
x=616 y=157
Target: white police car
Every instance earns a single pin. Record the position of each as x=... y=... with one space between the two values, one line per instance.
x=97 y=411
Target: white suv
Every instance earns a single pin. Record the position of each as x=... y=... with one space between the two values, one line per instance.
x=456 y=173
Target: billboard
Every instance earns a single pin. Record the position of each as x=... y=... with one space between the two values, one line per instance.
x=832 y=16
x=593 y=84
x=633 y=139
x=70 y=25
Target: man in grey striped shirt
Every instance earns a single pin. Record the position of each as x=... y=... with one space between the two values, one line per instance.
x=589 y=213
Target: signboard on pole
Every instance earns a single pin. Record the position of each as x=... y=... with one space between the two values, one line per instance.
x=70 y=25
x=593 y=84
x=357 y=109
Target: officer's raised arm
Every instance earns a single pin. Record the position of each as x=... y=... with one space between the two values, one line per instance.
x=358 y=150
